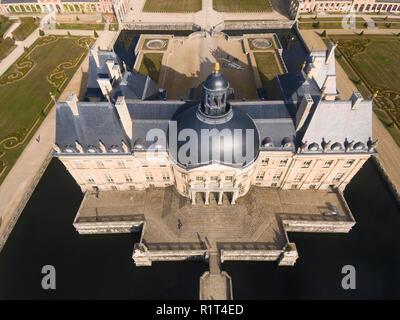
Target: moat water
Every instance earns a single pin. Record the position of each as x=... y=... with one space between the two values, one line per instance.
x=100 y=266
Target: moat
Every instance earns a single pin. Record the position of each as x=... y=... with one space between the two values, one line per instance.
x=100 y=266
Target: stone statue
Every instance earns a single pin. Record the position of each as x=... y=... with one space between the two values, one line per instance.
x=102 y=147
x=327 y=145
x=78 y=146
x=350 y=146
x=303 y=146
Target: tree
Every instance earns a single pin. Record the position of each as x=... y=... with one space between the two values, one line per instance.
x=95 y=34
x=69 y=34
x=323 y=34
x=77 y=18
x=41 y=32
x=315 y=24
x=361 y=33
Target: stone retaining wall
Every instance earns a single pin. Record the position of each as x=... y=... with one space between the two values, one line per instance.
x=24 y=200
x=160 y=26
x=386 y=178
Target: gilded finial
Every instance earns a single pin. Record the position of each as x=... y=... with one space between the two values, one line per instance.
x=216 y=67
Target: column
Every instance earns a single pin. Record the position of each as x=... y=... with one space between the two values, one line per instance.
x=234 y=197
x=221 y=194
x=207 y=200
x=193 y=193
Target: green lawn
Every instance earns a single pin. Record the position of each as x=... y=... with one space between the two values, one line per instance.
x=27 y=26
x=242 y=5
x=151 y=65
x=80 y=26
x=255 y=49
x=267 y=66
x=372 y=63
x=24 y=101
x=6 y=46
x=328 y=25
x=5 y=23
x=172 y=6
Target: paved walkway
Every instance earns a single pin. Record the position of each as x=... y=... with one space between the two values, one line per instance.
x=19 y=179
x=389 y=152
x=206 y=18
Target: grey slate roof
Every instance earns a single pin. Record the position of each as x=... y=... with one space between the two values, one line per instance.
x=94 y=72
x=273 y=121
x=18 y=1
x=96 y=121
x=135 y=86
x=335 y=121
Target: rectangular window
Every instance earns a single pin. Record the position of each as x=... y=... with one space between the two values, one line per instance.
x=327 y=164
x=312 y=187
x=294 y=186
x=89 y=178
x=165 y=176
x=283 y=163
x=349 y=163
x=149 y=177
x=144 y=163
x=338 y=177
x=100 y=164
x=277 y=176
x=260 y=175
x=121 y=164
x=306 y=164
x=298 y=177
x=274 y=185
x=198 y=178
x=214 y=178
x=79 y=164
x=265 y=161
x=318 y=177
x=109 y=178
x=229 y=178
x=128 y=177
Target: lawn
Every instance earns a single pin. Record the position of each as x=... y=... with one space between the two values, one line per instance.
x=374 y=64
x=267 y=66
x=80 y=26
x=172 y=6
x=27 y=26
x=242 y=5
x=6 y=46
x=328 y=25
x=25 y=87
x=5 y=23
x=151 y=65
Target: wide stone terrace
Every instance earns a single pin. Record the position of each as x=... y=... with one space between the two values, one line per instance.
x=171 y=220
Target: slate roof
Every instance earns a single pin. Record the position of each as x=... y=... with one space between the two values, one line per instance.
x=336 y=121
x=96 y=121
x=273 y=120
x=135 y=86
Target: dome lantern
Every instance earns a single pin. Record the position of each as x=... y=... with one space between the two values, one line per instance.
x=214 y=92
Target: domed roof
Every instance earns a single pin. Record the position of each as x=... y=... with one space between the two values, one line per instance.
x=216 y=80
x=232 y=150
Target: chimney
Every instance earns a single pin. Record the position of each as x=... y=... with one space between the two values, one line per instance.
x=105 y=86
x=331 y=51
x=356 y=99
x=113 y=69
x=95 y=54
x=124 y=116
x=72 y=101
x=303 y=110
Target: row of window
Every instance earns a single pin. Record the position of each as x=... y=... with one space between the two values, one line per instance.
x=307 y=164
x=299 y=177
x=120 y=164
x=128 y=177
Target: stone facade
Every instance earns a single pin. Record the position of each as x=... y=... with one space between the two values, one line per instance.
x=119 y=7
x=356 y=5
